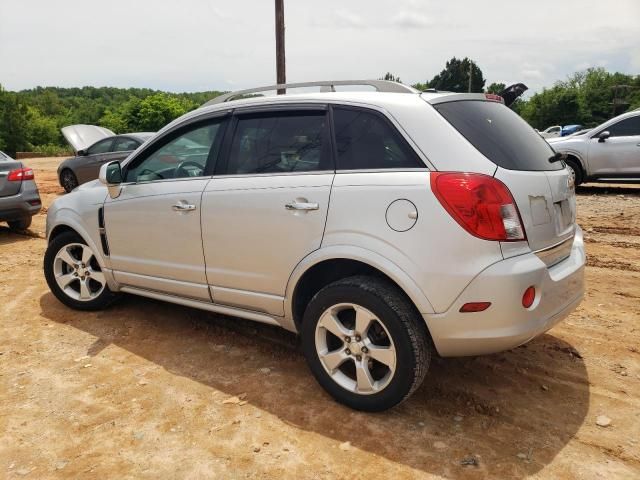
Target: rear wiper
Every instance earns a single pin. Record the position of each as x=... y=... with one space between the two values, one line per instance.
x=556 y=157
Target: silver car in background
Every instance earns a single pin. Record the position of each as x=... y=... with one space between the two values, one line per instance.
x=384 y=227
x=609 y=152
x=19 y=197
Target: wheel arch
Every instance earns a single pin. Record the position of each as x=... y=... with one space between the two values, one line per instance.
x=330 y=264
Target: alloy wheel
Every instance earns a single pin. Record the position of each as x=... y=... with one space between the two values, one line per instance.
x=355 y=348
x=78 y=273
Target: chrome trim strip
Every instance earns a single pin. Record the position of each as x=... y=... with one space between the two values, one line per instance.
x=554 y=254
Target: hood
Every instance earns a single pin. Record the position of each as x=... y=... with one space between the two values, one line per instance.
x=81 y=137
x=555 y=139
x=512 y=92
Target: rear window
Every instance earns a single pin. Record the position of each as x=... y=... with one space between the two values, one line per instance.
x=499 y=134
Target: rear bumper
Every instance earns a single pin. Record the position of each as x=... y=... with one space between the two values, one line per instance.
x=506 y=323
x=21 y=205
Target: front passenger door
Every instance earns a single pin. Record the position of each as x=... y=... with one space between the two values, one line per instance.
x=88 y=170
x=153 y=226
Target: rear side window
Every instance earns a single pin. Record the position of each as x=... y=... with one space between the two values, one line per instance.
x=365 y=140
x=280 y=142
x=499 y=134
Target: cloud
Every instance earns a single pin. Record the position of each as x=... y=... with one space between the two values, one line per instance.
x=407 y=19
x=345 y=18
x=200 y=44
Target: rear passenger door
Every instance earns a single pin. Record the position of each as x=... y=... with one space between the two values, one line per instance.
x=265 y=209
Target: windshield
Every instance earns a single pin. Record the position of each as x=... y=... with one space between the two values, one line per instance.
x=499 y=134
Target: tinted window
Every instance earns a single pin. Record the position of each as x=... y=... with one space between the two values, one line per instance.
x=280 y=142
x=102 y=146
x=367 y=140
x=183 y=156
x=499 y=134
x=125 y=144
x=629 y=127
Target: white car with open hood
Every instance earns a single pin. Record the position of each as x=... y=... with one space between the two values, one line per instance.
x=382 y=226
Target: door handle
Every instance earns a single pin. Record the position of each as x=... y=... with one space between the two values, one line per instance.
x=305 y=206
x=183 y=207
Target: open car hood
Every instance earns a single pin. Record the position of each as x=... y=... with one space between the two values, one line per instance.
x=512 y=92
x=81 y=137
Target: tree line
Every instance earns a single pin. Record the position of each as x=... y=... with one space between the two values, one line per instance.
x=30 y=120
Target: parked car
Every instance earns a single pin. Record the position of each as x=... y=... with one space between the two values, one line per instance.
x=19 y=197
x=383 y=227
x=607 y=153
x=94 y=146
x=551 y=132
x=570 y=130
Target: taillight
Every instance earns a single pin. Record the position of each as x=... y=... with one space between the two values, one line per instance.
x=482 y=205
x=20 y=174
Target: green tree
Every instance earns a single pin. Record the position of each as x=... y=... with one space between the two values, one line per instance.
x=391 y=77
x=155 y=111
x=455 y=77
x=496 y=87
x=14 y=123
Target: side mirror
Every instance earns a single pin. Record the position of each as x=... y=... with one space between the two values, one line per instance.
x=111 y=176
x=602 y=136
x=82 y=153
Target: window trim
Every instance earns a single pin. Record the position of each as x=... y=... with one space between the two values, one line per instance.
x=221 y=167
x=387 y=121
x=171 y=135
x=604 y=129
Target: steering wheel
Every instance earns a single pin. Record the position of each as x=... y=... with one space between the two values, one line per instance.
x=182 y=172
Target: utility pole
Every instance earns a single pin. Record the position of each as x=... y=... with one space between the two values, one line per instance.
x=470 y=76
x=281 y=75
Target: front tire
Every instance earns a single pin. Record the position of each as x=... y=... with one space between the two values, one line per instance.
x=74 y=275
x=21 y=224
x=365 y=343
x=575 y=171
x=68 y=180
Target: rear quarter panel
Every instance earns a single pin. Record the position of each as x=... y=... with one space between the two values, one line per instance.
x=438 y=255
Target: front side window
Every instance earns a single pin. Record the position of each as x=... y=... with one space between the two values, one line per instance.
x=365 y=140
x=280 y=142
x=125 y=145
x=102 y=146
x=183 y=156
x=629 y=127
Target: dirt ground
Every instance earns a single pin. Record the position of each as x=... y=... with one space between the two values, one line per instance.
x=142 y=390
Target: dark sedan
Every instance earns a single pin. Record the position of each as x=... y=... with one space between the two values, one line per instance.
x=85 y=166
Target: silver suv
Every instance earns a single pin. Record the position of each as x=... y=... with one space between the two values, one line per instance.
x=609 y=152
x=383 y=226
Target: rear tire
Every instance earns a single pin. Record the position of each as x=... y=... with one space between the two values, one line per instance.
x=74 y=275
x=21 y=224
x=574 y=169
x=68 y=180
x=365 y=343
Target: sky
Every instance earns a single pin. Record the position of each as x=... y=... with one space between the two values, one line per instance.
x=195 y=45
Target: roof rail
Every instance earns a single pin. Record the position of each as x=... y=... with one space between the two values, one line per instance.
x=329 y=85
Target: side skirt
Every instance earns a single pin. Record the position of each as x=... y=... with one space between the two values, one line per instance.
x=211 y=307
